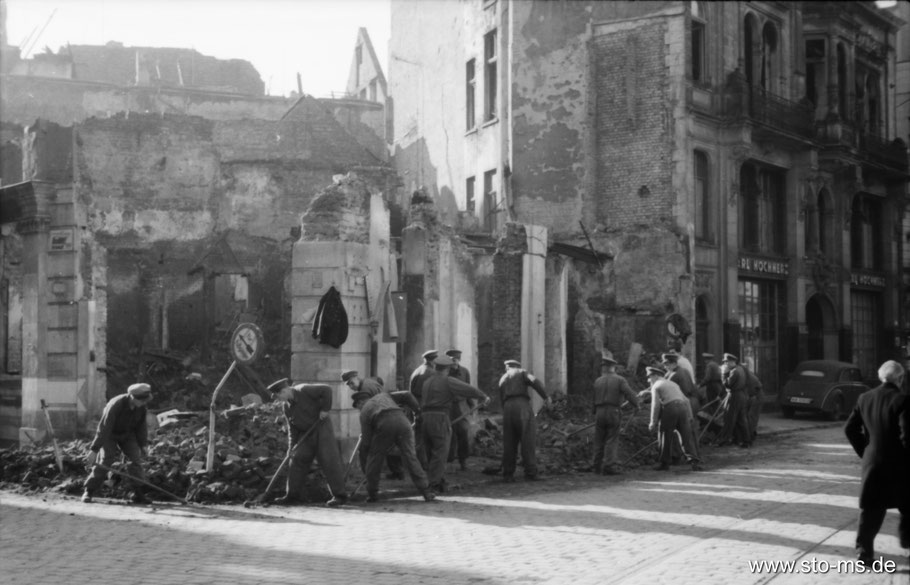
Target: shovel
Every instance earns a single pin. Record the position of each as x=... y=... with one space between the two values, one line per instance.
x=284 y=462
x=143 y=482
x=50 y=431
x=639 y=452
x=353 y=455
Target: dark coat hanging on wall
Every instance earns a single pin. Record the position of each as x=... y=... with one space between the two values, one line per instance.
x=330 y=326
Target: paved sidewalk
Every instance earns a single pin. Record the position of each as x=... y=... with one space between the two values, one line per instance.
x=791 y=499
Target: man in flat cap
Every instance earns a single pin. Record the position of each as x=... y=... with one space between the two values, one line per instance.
x=670 y=414
x=736 y=423
x=310 y=435
x=461 y=408
x=384 y=426
x=440 y=392
x=519 y=423
x=609 y=390
x=122 y=429
x=419 y=376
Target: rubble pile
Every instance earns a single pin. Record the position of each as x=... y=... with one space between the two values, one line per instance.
x=250 y=445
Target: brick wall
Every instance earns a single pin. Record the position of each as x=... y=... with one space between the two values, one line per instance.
x=506 y=297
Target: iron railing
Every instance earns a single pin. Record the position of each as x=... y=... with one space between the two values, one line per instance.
x=744 y=100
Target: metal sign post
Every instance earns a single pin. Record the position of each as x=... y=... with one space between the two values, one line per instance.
x=246 y=347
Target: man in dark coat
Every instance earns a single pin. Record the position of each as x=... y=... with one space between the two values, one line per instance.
x=736 y=422
x=878 y=428
x=307 y=406
x=461 y=426
x=609 y=390
x=440 y=392
x=122 y=429
x=713 y=382
x=519 y=423
x=383 y=425
x=373 y=386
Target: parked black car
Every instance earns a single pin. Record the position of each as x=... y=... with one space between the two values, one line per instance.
x=826 y=386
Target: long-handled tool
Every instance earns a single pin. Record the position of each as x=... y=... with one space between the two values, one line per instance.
x=710 y=422
x=353 y=455
x=284 y=462
x=468 y=413
x=50 y=431
x=639 y=452
x=143 y=482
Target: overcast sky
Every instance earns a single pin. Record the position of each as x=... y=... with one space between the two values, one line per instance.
x=279 y=37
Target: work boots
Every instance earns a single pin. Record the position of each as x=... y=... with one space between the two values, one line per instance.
x=86 y=497
x=372 y=497
x=428 y=495
x=339 y=500
x=138 y=497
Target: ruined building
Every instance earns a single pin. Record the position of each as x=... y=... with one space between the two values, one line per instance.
x=733 y=170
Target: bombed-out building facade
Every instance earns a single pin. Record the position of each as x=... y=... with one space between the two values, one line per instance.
x=732 y=169
x=604 y=178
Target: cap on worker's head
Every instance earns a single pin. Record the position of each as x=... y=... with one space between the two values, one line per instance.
x=512 y=364
x=140 y=390
x=707 y=356
x=670 y=358
x=729 y=357
x=655 y=372
x=607 y=361
x=454 y=353
x=443 y=362
x=430 y=354
x=276 y=386
x=347 y=375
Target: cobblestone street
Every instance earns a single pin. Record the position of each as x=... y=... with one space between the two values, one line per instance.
x=790 y=498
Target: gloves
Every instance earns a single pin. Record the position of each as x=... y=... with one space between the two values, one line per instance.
x=90 y=459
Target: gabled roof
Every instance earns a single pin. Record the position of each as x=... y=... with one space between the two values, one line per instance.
x=363 y=39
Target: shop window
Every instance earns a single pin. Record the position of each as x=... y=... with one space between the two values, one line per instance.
x=470 y=87
x=697 y=40
x=490 y=75
x=762 y=215
x=704 y=227
x=866 y=233
x=759 y=319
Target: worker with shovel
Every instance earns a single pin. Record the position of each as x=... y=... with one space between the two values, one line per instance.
x=519 y=423
x=670 y=414
x=305 y=406
x=122 y=429
x=461 y=409
x=383 y=425
x=609 y=390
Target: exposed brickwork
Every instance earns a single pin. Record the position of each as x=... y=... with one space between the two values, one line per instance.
x=506 y=290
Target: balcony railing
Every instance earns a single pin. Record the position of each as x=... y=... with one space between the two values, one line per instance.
x=892 y=153
x=744 y=100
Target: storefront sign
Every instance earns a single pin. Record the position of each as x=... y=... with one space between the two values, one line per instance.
x=764 y=266
x=867 y=280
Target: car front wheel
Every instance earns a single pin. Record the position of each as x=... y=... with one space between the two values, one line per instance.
x=837 y=409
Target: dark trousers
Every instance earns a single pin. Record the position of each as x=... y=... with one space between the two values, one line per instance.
x=420 y=447
x=736 y=420
x=870 y=522
x=607 y=422
x=461 y=446
x=437 y=435
x=753 y=412
x=519 y=427
x=108 y=454
x=392 y=429
x=674 y=426
x=322 y=446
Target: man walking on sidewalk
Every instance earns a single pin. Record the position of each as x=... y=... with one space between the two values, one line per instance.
x=305 y=406
x=122 y=429
x=878 y=428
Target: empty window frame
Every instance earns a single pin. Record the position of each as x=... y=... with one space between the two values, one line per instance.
x=470 y=88
x=490 y=204
x=358 y=61
x=470 y=203
x=762 y=210
x=490 y=76
x=704 y=228
x=697 y=42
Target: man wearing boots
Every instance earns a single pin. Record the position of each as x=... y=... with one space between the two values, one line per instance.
x=670 y=414
x=609 y=390
x=461 y=427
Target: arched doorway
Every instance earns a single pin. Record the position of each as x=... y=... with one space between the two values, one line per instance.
x=822 y=330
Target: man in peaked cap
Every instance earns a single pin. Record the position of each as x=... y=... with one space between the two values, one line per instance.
x=609 y=390
x=519 y=424
x=122 y=429
x=384 y=426
x=370 y=387
x=310 y=435
x=439 y=393
x=736 y=422
x=713 y=381
x=461 y=427
x=419 y=376
x=670 y=414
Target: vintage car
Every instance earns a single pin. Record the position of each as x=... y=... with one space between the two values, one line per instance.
x=828 y=387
